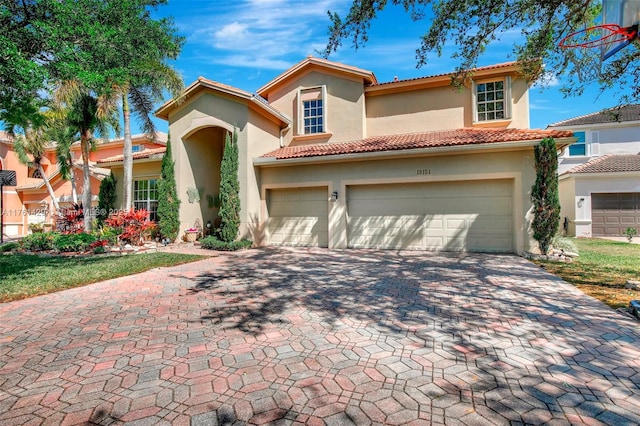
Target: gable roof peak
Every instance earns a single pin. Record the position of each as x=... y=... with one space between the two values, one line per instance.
x=311 y=61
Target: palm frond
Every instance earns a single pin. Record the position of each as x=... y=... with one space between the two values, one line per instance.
x=142 y=106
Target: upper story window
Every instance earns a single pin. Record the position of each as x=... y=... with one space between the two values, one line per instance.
x=492 y=100
x=34 y=173
x=313 y=111
x=579 y=147
x=137 y=148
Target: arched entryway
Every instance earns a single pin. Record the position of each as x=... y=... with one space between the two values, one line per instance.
x=204 y=148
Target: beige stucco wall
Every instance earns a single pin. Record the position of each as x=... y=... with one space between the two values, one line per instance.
x=344 y=106
x=516 y=166
x=439 y=108
x=141 y=170
x=566 y=192
x=197 y=138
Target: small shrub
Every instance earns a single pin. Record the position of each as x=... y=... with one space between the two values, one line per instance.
x=99 y=246
x=134 y=225
x=212 y=243
x=10 y=246
x=70 y=220
x=630 y=233
x=39 y=241
x=109 y=234
x=73 y=242
x=36 y=227
x=565 y=244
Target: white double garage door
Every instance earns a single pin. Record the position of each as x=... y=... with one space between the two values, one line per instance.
x=449 y=216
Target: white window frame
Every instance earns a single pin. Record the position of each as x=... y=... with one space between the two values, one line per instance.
x=137 y=148
x=146 y=202
x=323 y=97
x=507 y=99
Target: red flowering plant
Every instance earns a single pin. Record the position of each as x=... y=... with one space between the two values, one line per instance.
x=133 y=225
x=70 y=220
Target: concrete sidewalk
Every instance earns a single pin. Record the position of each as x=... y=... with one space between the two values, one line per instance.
x=312 y=336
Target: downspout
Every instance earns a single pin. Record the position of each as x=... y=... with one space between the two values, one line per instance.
x=282 y=132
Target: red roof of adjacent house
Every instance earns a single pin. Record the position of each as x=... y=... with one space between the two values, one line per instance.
x=609 y=164
x=147 y=153
x=5 y=137
x=459 y=137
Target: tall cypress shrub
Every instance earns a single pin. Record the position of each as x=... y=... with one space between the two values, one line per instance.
x=106 y=198
x=544 y=194
x=168 y=201
x=229 y=191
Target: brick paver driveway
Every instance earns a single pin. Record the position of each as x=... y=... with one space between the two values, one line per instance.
x=304 y=336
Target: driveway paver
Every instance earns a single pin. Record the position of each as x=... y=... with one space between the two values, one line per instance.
x=311 y=336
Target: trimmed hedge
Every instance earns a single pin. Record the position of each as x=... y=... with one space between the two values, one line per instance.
x=40 y=241
x=212 y=243
x=10 y=246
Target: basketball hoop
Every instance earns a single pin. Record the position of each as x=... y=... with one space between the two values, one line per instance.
x=600 y=35
x=609 y=38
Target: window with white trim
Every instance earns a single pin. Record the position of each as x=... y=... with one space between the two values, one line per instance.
x=312 y=107
x=492 y=100
x=145 y=196
x=137 y=148
x=579 y=147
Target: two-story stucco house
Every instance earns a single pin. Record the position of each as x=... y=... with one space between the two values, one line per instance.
x=599 y=175
x=29 y=202
x=331 y=157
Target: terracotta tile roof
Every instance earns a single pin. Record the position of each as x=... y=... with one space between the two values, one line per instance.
x=5 y=137
x=460 y=137
x=474 y=70
x=611 y=115
x=147 y=153
x=611 y=163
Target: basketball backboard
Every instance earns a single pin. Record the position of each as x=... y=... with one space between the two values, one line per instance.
x=625 y=13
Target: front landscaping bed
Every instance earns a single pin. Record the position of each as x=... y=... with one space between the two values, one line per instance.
x=602 y=270
x=26 y=275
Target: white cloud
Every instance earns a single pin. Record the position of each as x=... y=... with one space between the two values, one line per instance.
x=231 y=31
x=260 y=33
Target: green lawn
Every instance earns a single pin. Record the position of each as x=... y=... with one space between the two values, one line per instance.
x=27 y=275
x=602 y=270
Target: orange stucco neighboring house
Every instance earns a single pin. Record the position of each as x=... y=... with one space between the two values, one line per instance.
x=29 y=202
x=331 y=157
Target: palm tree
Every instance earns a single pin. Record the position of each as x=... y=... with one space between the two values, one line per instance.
x=27 y=123
x=90 y=113
x=60 y=131
x=146 y=87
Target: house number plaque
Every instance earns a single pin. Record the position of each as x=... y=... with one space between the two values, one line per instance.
x=423 y=172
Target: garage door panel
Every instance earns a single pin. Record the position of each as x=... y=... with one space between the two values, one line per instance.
x=439 y=216
x=298 y=216
x=612 y=213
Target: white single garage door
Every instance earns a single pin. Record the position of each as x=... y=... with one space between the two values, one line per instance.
x=612 y=214
x=449 y=216
x=298 y=216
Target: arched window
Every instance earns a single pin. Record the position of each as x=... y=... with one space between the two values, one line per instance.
x=35 y=173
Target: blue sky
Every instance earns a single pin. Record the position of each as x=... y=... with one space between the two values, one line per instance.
x=246 y=43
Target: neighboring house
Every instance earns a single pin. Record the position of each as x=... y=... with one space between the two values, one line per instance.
x=29 y=202
x=599 y=175
x=146 y=172
x=330 y=157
